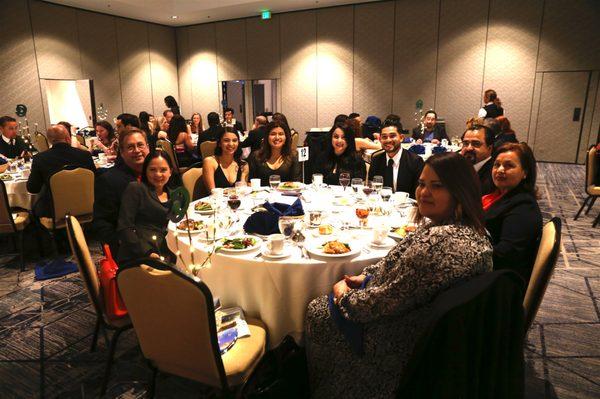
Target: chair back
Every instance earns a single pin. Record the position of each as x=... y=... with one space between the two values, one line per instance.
x=72 y=193
x=295 y=136
x=174 y=320
x=190 y=178
x=41 y=142
x=591 y=165
x=7 y=224
x=542 y=269
x=167 y=147
x=86 y=266
x=207 y=148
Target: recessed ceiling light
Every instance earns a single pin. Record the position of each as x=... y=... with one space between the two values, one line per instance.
x=174 y=17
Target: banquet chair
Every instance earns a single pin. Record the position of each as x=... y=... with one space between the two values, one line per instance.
x=542 y=269
x=377 y=153
x=12 y=224
x=167 y=147
x=295 y=136
x=41 y=142
x=89 y=275
x=207 y=148
x=71 y=192
x=591 y=189
x=190 y=179
x=81 y=140
x=174 y=318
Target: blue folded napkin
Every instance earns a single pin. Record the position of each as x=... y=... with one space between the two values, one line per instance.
x=407 y=140
x=438 y=149
x=265 y=223
x=353 y=332
x=54 y=268
x=417 y=149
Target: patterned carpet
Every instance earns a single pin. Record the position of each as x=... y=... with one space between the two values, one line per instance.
x=46 y=327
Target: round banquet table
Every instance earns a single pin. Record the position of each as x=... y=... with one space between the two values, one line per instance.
x=15 y=180
x=278 y=291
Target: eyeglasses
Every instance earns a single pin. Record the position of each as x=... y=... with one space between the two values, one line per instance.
x=472 y=143
x=138 y=146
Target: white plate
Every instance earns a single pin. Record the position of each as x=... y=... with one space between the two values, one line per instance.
x=388 y=243
x=205 y=212
x=316 y=249
x=296 y=189
x=395 y=236
x=268 y=255
x=257 y=244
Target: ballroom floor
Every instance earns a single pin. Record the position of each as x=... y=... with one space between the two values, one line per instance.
x=46 y=327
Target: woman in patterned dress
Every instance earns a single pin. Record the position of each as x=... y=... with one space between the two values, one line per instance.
x=449 y=248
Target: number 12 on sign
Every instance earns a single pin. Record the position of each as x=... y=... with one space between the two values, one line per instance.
x=302 y=154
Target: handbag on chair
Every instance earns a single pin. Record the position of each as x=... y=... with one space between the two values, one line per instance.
x=113 y=304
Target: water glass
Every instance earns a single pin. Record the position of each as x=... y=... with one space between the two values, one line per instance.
x=356 y=184
x=286 y=226
x=274 y=181
x=377 y=183
x=386 y=193
x=317 y=179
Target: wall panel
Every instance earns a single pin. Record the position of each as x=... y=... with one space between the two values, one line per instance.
x=203 y=66
x=134 y=65
x=460 y=62
x=373 y=58
x=19 y=77
x=231 y=50
x=415 y=58
x=511 y=57
x=163 y=66
x=263 y=48
x=184 y=69
x=335 y=46
x=98 y=38
x=298 y=69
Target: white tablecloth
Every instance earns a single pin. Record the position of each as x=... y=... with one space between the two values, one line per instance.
x=18 y=197
x=278 y=292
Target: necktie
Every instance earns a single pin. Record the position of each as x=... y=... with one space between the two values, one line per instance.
x=388 y=178
x=12 y=141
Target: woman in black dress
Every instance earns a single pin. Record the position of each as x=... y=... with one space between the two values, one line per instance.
x=276 y=156
x=340 y=156
x=226 y=167
x=181 y=141
x=144 y=208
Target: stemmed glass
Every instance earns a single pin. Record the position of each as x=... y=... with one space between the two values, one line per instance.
x=286 y=226
x=356 y=184
x=377 y=183
x=344 y=179
x=234 y=203
x=362 y=213
x=386 y=193
x=367 y=189
x=274 y=181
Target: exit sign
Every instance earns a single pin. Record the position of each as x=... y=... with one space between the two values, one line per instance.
x=266 y=14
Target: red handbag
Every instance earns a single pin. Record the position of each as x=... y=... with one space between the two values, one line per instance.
x=113 y=304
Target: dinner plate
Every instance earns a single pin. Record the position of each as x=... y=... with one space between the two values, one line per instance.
x=316 y=249
x=395 y=236
x=6 y=177
x=388 y=243
x=204 y=212
x=297 y=187
x=257 y=245
x=268 y=255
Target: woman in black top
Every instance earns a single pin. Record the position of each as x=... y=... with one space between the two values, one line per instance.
x=144 y=208
x=226 y=167
x=512 y=214
x=276 y=156
x=340 y=156
x=181 y=141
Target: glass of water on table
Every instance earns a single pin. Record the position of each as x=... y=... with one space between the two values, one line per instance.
x=274 y=181
x=377 y=183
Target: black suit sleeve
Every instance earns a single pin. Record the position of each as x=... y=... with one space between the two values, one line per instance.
x=251 y=139
x=126 y=230
x=442 y=134
x=373 y=168
x=360 y=168
x=36 y=177
x=520 y=226
x=417 y=166
x=416 y=133
x=106 y=211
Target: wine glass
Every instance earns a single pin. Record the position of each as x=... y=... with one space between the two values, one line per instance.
x=362 y=213
x=377 y=183
x=286 y=226
x=368 y=189
x=274 y=181
x=240 y=187
x=234 y=203
x=344 y=179
x=356 y=183
x=386 y=193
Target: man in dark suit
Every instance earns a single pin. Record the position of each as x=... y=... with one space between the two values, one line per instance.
x=257 y=134
x=210 y=134
x=47 y=163
x=477 y=147
x=429 y=130
x=111 y=184
x=400 y=169
x=229 y=121
x=11 y=145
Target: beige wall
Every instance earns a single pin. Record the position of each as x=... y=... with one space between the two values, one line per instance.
x=133 y=64
x=378 y=58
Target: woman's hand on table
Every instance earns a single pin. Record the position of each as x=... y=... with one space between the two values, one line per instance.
x=354 y=281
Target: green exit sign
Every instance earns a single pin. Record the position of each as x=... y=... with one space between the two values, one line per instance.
x=266 y=14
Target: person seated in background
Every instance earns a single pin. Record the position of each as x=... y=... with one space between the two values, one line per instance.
x=362 y=144
x=105 y=140
x=275 y=156
x=340 y=156
x=355 y=115
x=143 y=215
x=371 y=128
x=11 y=144
x=110 y=185
x=168 y=115
x=512 y=214
x=213 y=131
x=195 y=127
x=490 y=108
x=226 y=167
x=400 y=169
x=506 y=135
x=125 y=121
x=279 y=117
x=47 y=163
x=230 y=121
x=389 y=300
x=257 y=134
x=173 y=107
x=181 y=141
x=428 y=130
x=145 y=124
x=477 y=146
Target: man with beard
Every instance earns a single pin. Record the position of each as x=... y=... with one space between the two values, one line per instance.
x=477 y=147
x=429 y=130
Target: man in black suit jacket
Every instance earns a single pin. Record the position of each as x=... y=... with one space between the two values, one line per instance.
x=110 y=185
x=210 y=134
x=477 y=147
x=11 y=145
x=47 y=163
x=429 y=130
x=229 y=121
x=400 y=169
x=257 y=134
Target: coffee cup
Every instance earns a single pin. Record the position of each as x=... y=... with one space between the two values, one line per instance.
x=255 y=184
x=400 y=197
x=380 y=234
x=275 y=244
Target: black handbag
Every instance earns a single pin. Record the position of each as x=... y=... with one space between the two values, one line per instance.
x=281 y=373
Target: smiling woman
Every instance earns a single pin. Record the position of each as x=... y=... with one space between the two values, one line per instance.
x=226 y=167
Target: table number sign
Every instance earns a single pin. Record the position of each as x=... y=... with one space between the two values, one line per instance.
x=302 y=154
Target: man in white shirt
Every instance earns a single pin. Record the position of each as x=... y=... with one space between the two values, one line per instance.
x=477 y=146
x=11 y=144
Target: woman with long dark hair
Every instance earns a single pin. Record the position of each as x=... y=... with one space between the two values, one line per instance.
x=105 y=141
x=142 y=225
x=275 y=156
x=340 y=156
x=226 y=167
x=389 y=299
x=181 y=140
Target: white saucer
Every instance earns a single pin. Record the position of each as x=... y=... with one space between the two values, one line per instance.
x=267 y=254
x=388 y=243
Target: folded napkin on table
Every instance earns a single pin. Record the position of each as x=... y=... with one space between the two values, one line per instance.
x=417 y=149
x=265 y=223
x=407 y=140
x=438 y=149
